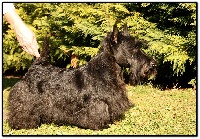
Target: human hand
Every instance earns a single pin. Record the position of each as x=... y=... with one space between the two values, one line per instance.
x=27 y=39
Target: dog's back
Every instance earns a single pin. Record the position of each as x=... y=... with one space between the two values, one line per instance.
x=90 y=96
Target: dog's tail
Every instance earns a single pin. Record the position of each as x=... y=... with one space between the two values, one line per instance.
x=44 y=55
x=45 y=48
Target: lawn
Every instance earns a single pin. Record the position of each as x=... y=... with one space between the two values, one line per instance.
x=155 y=112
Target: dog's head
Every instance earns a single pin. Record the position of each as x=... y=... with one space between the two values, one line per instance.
x=128 y=54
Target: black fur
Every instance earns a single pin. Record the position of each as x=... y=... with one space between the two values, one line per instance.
x=91 y=96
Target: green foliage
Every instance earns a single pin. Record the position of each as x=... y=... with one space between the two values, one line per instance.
x=155 y=112
x=172 y=38
x=78 y=28
x=193 y=83
x=82 y=52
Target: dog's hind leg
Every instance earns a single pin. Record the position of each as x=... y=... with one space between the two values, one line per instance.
x=97 y=116
x=23 y=107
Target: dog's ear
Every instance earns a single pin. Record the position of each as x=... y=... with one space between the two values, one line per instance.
x=115 y=34
x=125 y=31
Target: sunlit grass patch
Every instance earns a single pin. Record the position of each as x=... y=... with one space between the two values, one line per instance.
x=155 y=112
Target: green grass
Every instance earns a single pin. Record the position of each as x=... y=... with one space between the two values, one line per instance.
x=156 y=112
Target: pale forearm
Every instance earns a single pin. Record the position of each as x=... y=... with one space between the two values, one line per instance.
x=25 y=36
x=13 y=18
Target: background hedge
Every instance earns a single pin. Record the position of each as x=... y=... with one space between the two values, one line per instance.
x=76 y=31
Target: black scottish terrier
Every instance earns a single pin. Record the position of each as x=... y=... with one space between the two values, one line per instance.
x=91 y=96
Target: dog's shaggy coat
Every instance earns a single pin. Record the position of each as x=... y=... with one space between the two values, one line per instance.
x=91 y=96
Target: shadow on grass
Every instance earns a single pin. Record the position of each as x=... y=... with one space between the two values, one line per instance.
x=9 y=81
